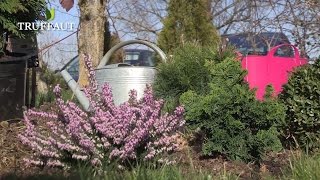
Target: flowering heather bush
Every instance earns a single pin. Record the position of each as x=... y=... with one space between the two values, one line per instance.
x=135 y=130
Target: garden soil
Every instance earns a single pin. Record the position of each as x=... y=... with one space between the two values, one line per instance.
x=273 y=164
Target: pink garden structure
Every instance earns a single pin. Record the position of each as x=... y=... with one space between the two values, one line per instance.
x=271 y=69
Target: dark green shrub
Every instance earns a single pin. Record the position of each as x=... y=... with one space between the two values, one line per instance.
x=186 y=70
x=219 y=104
x=232 y=121
x=301 y=97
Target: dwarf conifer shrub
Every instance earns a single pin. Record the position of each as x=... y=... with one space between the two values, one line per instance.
x=301 y=96
x=219 y=105
x=184 y=71
x=135 y=130
x=231 y=120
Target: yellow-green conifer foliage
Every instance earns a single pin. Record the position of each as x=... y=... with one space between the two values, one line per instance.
x=187 y=21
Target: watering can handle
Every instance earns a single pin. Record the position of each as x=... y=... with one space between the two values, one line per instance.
x=274 y=49
x=107 y=56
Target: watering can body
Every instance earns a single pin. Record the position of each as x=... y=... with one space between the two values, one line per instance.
x=125 y=78
x=270 y=69
x=121 y=77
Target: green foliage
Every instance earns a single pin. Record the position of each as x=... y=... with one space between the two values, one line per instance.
x=42 y=98
x=14 y=11
x=141 y=172
x=233 y=122
x=187 y=21
x=185 y=71
x=51 y=79
x=303 y=167
x=50 y=13
x=155 y=171
x=301 y=98
x=209 y=83
x=7 y=8
x=2 y=45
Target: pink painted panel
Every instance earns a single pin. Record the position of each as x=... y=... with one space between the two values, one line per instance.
x=257 y=68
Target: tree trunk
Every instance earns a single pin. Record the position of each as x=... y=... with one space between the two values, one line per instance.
x=91 y=35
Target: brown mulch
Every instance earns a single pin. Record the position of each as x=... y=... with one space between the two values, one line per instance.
x=11 y=150
x=272 y=165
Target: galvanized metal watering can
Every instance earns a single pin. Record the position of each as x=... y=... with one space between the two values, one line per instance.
x=122 y=77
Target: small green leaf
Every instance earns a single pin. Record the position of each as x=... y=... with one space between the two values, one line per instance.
x=50 y=14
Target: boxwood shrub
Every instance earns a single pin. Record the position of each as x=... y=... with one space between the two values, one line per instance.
x=301 y=96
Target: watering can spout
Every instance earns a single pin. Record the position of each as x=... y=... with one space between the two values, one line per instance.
x=84 y=101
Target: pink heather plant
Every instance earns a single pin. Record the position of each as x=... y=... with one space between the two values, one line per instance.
x=134 y=130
